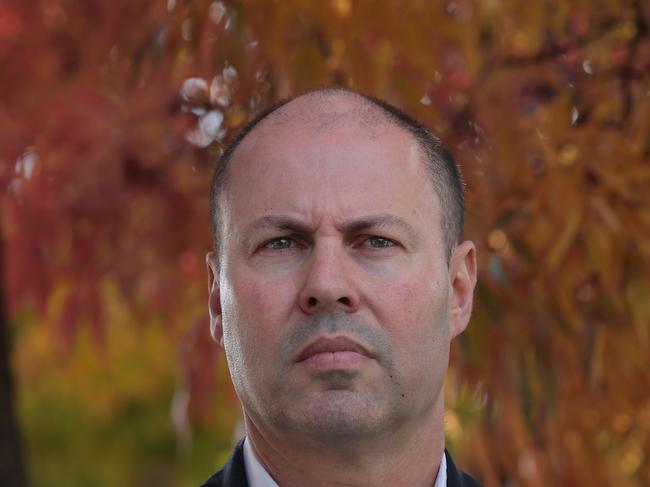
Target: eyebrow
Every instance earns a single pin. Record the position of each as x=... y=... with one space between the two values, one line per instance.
x=279 y=223
x=381 y=220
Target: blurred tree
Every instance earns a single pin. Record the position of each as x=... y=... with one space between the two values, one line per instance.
x=11 y=461
x=113 y=114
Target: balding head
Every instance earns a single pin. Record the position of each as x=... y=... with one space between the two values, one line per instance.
x=322 y=109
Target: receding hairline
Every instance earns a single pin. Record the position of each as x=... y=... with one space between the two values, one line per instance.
x=358 y=110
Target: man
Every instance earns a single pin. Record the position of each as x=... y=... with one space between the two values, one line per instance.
x=338 y=281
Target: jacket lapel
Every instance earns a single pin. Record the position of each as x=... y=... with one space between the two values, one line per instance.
x=456 y=478
x=233 y=473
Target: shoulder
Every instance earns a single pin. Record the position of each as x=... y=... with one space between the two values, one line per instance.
x=456 y=477
x=233 y=473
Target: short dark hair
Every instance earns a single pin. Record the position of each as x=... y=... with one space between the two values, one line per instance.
x=443 y=170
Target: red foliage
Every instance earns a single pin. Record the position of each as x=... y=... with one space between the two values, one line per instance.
x=546 y=109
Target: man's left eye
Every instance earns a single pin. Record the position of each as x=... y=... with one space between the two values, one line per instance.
x=279 y=244
x=379 y=242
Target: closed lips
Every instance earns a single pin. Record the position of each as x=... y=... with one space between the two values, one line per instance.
x=332 y=345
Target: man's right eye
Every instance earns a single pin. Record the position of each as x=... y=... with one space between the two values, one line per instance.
x=282 y=243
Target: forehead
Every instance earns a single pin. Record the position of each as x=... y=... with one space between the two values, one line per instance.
x=329 y=155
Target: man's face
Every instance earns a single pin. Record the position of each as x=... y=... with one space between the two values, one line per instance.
x=332 y=287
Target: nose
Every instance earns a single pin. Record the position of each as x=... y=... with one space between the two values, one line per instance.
x=329 y=282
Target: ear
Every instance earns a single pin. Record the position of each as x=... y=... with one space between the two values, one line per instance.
x=462 y=280
x=214 y=299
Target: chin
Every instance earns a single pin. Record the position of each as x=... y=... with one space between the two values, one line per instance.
x=333 y=415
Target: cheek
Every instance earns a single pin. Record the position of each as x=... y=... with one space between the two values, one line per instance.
x=413 y=311
x=255 y=314
x=418 y=327
x=412 y=294
x=258 y=310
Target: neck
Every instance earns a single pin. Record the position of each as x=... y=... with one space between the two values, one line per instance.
x=410 y=457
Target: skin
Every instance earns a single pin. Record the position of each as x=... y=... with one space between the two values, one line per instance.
x=331 y=229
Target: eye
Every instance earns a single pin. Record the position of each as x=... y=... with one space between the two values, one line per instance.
x=378 y=242
x=282 y=243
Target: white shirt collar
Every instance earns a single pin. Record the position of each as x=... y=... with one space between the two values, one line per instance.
x=259 y=477
x=441 y=479
x=256 y=474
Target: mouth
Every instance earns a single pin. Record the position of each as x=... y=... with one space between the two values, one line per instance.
x=333 y=353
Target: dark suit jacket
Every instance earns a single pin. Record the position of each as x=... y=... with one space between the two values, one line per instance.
x=233 y=474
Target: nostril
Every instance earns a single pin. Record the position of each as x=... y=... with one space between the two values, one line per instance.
x=345 y=301
x=311 y=302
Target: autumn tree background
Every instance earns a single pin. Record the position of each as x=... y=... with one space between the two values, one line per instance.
x=112 y=116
